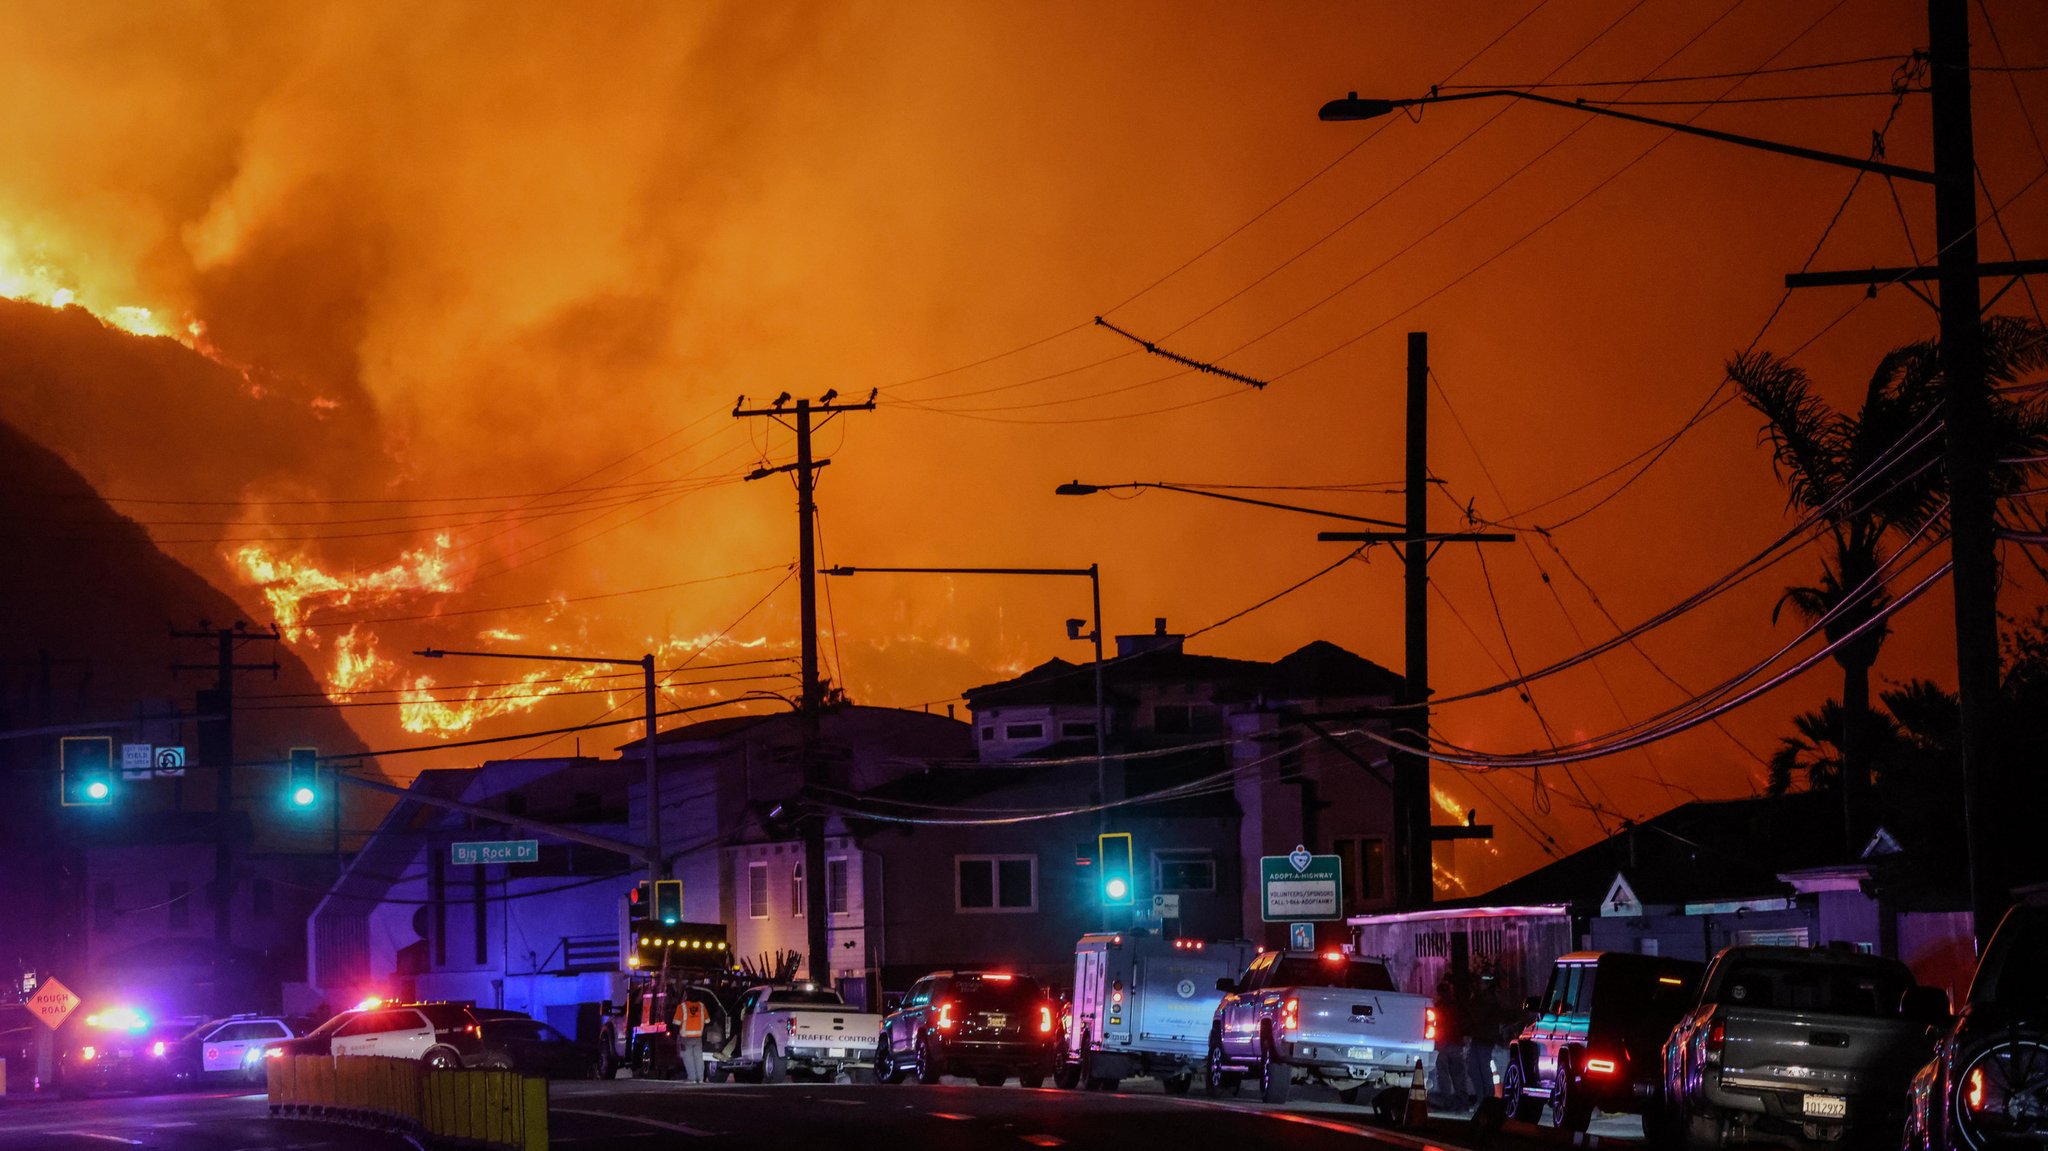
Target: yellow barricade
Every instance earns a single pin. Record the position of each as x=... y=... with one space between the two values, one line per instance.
x=502 y=1110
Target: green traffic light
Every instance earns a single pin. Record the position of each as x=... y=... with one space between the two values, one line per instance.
x=1116 y=889
x=97 y=789
x=303 y=797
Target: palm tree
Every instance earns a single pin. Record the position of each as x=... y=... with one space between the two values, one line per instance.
x=1874 y=474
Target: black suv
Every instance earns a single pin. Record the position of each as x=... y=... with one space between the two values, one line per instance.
x=990 y=1025
x=1597 y=1036
x=1987 y=1086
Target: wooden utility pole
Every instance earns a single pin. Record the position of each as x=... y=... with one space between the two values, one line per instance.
x=813 y=820
x=1414 y=881
x=1966 y=409
x=217 y=750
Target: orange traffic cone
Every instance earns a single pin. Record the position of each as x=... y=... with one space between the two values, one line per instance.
x=1418 y=1099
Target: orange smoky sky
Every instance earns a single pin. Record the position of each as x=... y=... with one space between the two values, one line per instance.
x=493 y=273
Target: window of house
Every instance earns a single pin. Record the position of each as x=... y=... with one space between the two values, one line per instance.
x=1365 y=869
x=104 y=913
x=260 y=895
x=995 y=883
x=1183 y=871
x=757 y=891
x=1024 y=731
x=796 y=892
x=180 y=905
x=837 y=896
x=1077 y=729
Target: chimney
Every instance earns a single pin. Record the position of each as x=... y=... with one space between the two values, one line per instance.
x=1159 y=640
x=949 y=711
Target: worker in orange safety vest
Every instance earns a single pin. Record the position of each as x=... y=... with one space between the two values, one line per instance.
x=689 y=1021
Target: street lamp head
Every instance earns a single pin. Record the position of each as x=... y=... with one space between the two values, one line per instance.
x=430 y=652
x=1353 y=108
x=839 y=570
x=760 y=473
x=1076 y=488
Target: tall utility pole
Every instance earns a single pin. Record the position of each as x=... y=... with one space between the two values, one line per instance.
x=1414 y=880
x=217 y=749
x=805 y=468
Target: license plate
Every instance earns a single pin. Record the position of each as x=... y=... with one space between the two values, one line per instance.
x=998 y=1021
x=1826 y=1106
x=835 y=1052
x=1358 y=1053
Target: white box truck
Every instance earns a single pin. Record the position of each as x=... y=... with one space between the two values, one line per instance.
x=1142 y=1006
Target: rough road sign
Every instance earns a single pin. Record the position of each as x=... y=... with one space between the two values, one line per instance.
x=53 y=1003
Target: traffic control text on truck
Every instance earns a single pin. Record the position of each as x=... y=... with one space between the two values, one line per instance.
x=1142 y=1007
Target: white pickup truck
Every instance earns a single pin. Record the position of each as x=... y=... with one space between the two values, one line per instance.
x=805 y=1028
x=1330 y=1015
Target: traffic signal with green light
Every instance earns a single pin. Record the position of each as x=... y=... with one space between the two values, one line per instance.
x=302 y=778
x=668 y=902
x=1119 y=882
x=85 y=771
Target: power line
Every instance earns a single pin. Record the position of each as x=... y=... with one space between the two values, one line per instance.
x=1747 y=73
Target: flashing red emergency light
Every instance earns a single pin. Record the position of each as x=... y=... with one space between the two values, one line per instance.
x=1429 y=1023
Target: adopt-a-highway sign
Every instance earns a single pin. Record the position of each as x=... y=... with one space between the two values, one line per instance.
x=1301 y=885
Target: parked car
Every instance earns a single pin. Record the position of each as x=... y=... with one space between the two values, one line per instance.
x=226 y=1051
x=1786 y=1041
x=1597 y=1036
x=118 y=1049
x=806 y=1028
x=1987 y=1085
x=1330 y=1015
x=988 y=1024
x=526 y=1045
x=442 y=1035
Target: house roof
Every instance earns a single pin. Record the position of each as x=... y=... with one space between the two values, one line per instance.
x=1317 y=670
x=847 y=721
x=1697 y=852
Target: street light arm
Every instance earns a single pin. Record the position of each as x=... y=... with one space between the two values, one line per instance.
x=438 y=653
x=1077 y=488
x=1353 y=108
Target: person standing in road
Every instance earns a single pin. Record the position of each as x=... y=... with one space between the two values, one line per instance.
x=689 y=1023
x=1453 y=1085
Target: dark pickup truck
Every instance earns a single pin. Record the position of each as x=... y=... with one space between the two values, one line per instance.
x=1987 y=1085
x=1793 y=1042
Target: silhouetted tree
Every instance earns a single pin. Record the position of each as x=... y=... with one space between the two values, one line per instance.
x=1873 y=475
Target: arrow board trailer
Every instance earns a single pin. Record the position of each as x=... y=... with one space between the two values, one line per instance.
x=1143 y=1006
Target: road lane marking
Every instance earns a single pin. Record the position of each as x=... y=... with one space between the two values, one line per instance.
x=1043 y=1140
x=101 y=1136
x=948 y=1115
x=678 y=1128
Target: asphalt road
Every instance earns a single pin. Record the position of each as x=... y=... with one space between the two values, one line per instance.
x=208 y=1122
x=960 y=1115
x=656 y=1115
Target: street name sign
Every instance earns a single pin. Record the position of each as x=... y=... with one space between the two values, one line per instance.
x=53 y=1003
x=1300 y=885
x=499 y=851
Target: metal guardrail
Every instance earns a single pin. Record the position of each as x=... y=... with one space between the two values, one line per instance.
x=499 y=1110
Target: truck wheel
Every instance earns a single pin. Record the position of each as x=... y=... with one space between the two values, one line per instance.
x=1276 y=1079
x=442 y=1059
x=1705 y=1129
x=1031 y=1082
x=1067 y=1075
x=1514 y=1092
x=1217 y=1082
x=1347 y=1095
x=1096 y=1082
x=928 y=1069
x=774 y=1069
x=886 y=1070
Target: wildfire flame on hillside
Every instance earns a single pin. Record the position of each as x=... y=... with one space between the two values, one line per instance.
x=295 y=586
x=27 y=274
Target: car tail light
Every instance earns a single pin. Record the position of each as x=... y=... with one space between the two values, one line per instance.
x=157 y=1049
x=1290 y=1015
x=1044 y=1018
x=88 y=1054
x=1429 y=1023
x=1717 y=1034
x=1973 y=1098
x=945 y=1016
x=1599 y=1066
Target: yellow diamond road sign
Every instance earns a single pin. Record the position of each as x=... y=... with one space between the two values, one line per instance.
x=53 y=1003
